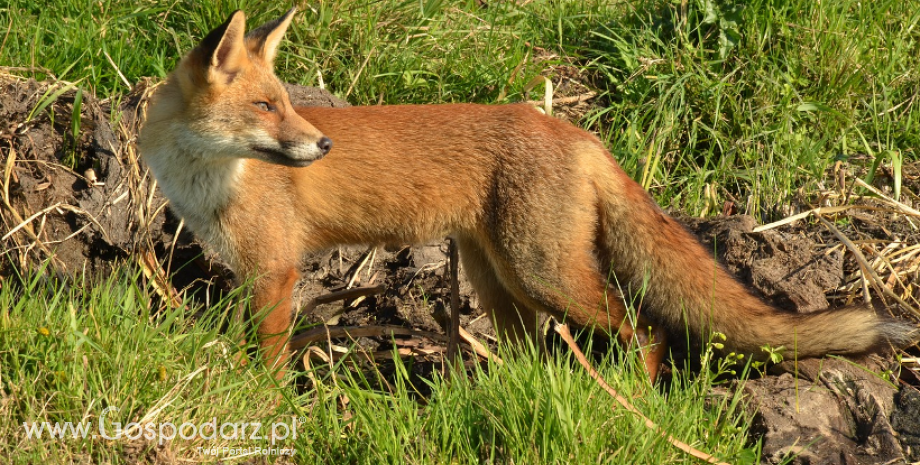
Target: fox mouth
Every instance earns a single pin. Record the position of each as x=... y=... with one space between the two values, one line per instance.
x=279 y=157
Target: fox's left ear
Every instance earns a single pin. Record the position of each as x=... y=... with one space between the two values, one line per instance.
x=263 y=41
x=217 y=59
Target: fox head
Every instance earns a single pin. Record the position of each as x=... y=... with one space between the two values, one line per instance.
x=229 y=103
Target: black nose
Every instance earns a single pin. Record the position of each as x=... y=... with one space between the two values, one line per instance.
x=324 y=144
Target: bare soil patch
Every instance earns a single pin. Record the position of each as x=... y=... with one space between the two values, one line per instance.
x=75 y=194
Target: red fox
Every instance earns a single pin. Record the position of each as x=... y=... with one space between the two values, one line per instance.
x=540 y=210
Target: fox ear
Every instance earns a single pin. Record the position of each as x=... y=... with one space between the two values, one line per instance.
x=223 y=53
x=263 y=41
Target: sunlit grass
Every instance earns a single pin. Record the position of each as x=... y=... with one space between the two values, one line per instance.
x=72 y=351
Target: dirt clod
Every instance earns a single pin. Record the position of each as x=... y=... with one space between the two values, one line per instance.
x=786 y=268
x=833 y=412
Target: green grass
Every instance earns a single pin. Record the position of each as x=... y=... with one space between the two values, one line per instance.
x=70 y=350
x=801 y=85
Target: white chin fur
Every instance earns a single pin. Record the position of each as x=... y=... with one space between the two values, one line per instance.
x=241 y=146
x=305 y=152
x=199 y=177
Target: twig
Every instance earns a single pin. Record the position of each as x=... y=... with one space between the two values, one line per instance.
x=172 y=246
x=898 y=205
x=453 y=340
x=8 y=170
x=39 y=69
x=567 y=100
x=480 y=349
x=354 y=275
x=90 y=217
x=328 y=332
x=867 y=268
x=563 y=331
x=344 y=294
x=151 y=268
x=370 y=282
x=358 y=74
x=547 y=93
x=28 y=220
x=799 y=216
x=117 y=70
x=5 y=36
x=339 y=352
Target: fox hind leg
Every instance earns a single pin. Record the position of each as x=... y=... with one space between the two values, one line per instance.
x=513 y=321
x=564 y=279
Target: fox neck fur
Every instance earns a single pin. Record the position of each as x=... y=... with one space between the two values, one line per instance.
x=199 y=185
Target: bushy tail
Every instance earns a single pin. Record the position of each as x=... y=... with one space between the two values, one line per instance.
x=684 y=286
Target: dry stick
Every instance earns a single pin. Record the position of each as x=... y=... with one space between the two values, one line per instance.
x=345 y=294
x=117 y=70
x=358 y=74
x=313 y=335
x=563 y=331
x=172 y=245
x=69 y=236
x=328 y=332
x=798 y=216
x=317 y=334
x=453 y=340
x=566 y=100
x=876 y=280
x=324 y=332
x=25 y=224
x=5 y=36
x=370 y=282
x=885 y=261
x=8 y=170
x=28 y=220
x=90 y=217
x=354 y=276
x=900 y=206
x=158 y=278
x=339 y=352
x=478 y=347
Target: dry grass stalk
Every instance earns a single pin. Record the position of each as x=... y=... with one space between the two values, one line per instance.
x=889 y=262
x=563 y=331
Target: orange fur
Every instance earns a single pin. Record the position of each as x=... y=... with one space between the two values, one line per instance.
x=540 y=210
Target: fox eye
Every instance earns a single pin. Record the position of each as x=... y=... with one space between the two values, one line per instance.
x=265 y=106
